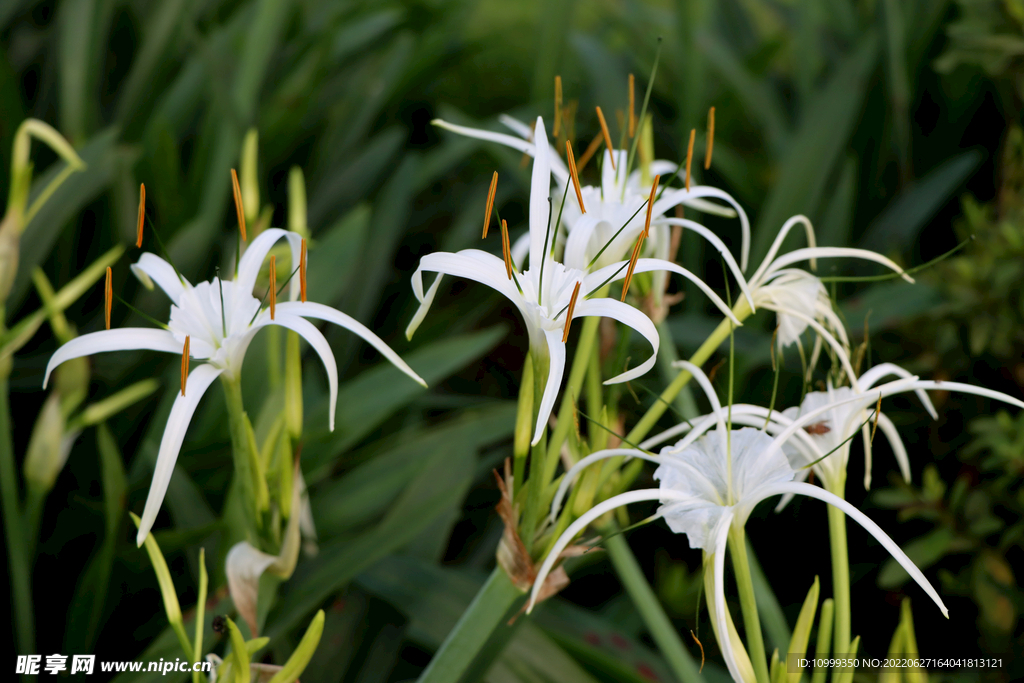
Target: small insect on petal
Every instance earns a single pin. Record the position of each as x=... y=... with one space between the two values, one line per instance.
x=302 y=272
x=632 y=106
x=568 y=314
x=689 y=156
x=108 y=296
x=606 y=136
x=505 y=250
x=238 y=202
x=650 y=206
x=575 y=175
x=184 y=366
x=711 y=138
x=490 y=203
x=142 y=215
x=273 y=285
x=818 y=428
x=558 y=105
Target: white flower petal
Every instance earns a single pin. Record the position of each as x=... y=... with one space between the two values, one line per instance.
x=682 y=196
x=151 y=268
x=540 y=195
x=942 y=385
x=627 y=315
x=871 y=376
x=738 y=662
x=898 y=449
x=312 y=335
x=558 y=166
x=806 y=254
x=256 y=253
x=244 y=567
x=859 y=517
x=570 y=477
x=777 y=244
x=577 y=245
x=310 y=309
x=122 y=339
x=556 y=368
x=170 y=444
x=719 y=245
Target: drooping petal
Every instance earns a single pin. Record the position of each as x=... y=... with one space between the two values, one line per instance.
x=170 y=444
x=570 y=477
x=312 y=335
x=540 y=195
x=556 y=368
x=256 y=252
x=558 y=166
x=719 y=245
x=942 y=385
x=472 y=264
x=244 y=566
x=806 y=254
x=857 y=516
x=736 y=660
x=898 y=449
x=692 y=197
x=777 y=244
x=123 y=339
x=705 y=383
x=844 y=359
x=869 y=377
x=310 y=309
x=627 y=315
x=151 y=268
x=585 y=519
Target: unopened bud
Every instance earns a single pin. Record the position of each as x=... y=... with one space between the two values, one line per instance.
x=293 y=386
x=249 y=179
x=48 y=447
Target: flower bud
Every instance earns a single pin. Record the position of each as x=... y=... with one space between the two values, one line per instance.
x=49 y=446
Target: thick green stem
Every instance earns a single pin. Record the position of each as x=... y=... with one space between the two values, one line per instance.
x=748 y=601
x=474 y=628
x=840 y=572
x=741 y=310
x=535 y=485
x=640 y=592
x=17 y=555
x=240 y=451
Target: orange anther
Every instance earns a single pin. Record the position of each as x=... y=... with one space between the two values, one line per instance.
x=558 y=106
x=490 y=203
x=689 y=156
x=632 y=264
x=184 y=366
x=568 y=314
x=238 y=202
x=650 y=206
x=506 y=249
x=574 y=174
x=607 y=137
x=108 y=296
x=142 y=214
x=711 y=138
x=273 y=285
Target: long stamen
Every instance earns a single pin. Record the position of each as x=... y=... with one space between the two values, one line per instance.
x=632 y=106
x=650 y=206
x=632 y=264
x=238 y=202
x=184 y=366
x=505 y=252
x=568 y=316
x=575 y=175
x=606 y=136
x=142 y=214
x=689 y=156
x=588 y=153
x=302 y=272
x=558 y=106
x=711 y=138
x=108 y=296
x=273 y=285
x=490 y=204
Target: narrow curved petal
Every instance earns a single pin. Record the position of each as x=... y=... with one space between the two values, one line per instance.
x=826 y=335
x=857 y=516
x=425 y=300
x=151 y=268
x=501 y=138
x=123 y=339
x=738 y=664
x=807 y=254
x=777 y=244
x=310 y=309
x=184 y=407
x=556 y=368
x=570 y=477
x=616 y=271
x=627 y=315
x=589 y=516
x=578 y=242
x=540 y=195
x=673 y=197
x=613 y=179
x=312 y=335
x=719 y=245
x=898 y=449
x=871 y=376
x=942 y=385
x=244 y=566
x=252 y=260
x=811 y=415
x=524 y=131
x=709 y=391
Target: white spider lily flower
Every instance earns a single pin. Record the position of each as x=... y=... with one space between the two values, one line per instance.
x=612 y=221
x=544 y=291
x=220 y=318
x=710 y=483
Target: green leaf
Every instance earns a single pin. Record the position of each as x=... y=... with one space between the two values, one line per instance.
x=768 y=607
x=335 y=260
x=802 y=631
x=889 y=304
x=240 y=650
x=377 y=393
x=170 y=596
x=296 y=664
